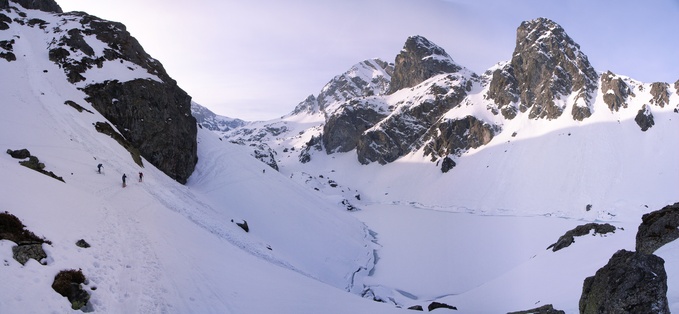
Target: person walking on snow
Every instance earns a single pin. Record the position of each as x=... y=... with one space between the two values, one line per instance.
x=141 y=176
x=124 y=177
x=99 y=166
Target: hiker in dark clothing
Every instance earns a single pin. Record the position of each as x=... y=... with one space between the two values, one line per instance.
x=99 y=166
x=141 y=176
x=124 y=177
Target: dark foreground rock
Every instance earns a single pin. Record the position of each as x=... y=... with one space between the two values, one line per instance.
x=658 y=228
x=631 y=282
x=569 y=237
x=67 y=283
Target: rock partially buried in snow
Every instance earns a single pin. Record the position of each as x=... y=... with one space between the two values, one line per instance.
x=568 y=238
x=545 y=309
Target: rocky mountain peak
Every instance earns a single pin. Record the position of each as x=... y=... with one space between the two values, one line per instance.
x=419 y=60
x=546 y=65
x=42 y=5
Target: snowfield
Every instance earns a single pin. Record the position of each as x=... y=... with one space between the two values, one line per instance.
x=475 y=238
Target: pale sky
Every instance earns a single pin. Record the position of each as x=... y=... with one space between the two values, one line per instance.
x=257 y=59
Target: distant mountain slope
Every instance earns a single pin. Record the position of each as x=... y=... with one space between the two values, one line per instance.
x=435 y=113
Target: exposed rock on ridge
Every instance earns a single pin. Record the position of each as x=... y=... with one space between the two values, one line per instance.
x=546 y=65
x=402 y=132
x=211 y=121
x=42 y=5
x=420 y=60
x=455 y=136
x=615 y=91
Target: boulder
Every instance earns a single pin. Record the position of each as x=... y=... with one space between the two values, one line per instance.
x=19 y=153
x=658 y=228
x=644 y=118
x=22 y=253
x=447 y=164
x=631 y=282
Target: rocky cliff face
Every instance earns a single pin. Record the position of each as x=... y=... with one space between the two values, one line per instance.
x=615 y=91
x=131 y=89
x=546 y=65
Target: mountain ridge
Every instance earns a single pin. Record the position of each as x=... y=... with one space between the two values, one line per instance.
x=547 y=75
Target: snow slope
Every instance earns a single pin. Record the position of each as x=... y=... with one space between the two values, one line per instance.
x=474 y=238
x=158 y=246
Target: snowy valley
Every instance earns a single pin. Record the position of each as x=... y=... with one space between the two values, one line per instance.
x=399 y=186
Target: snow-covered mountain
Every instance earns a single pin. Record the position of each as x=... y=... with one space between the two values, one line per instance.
x=359 y=217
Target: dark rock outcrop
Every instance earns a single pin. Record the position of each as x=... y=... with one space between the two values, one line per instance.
x=546 y=64
x=154 y=115
x=416 y=308
x=19 y=153
x=24 y=252
x=155 y=118
x=631 y=282
x=68 y=284
x=661 y=94
x=447 y=164
x=82 y=243
x=545 y=309
x=403 y=131
x=6 y=46
x=29 y=246
x=438 y=305
x=615 y=91
x=658 y=228
x=569 y=237
x=644 y=118
x=454 y=136
x=4 y=4
x=418 y=61
x=42 y=5
x=4 y=21
x=343 y=128
x=32 y=162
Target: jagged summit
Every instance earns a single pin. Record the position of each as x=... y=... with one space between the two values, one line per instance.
x=419 y=60
x=546 y=65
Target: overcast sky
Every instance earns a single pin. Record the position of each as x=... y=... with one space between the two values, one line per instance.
x=257 y=59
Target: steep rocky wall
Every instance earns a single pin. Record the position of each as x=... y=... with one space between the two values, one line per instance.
x=154 y=117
